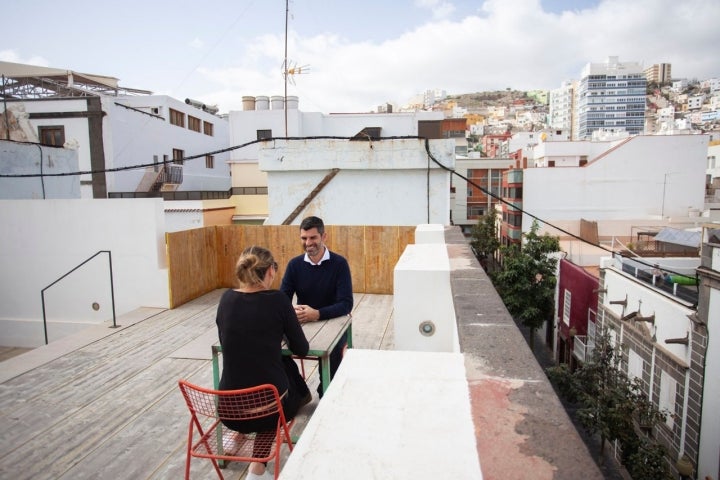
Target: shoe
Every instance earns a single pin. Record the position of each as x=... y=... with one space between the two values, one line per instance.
x=268 y=475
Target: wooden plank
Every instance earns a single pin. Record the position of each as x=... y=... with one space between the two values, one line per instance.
x=192 y=264
x=113 y=406
x=370 y=321
x=349 y=241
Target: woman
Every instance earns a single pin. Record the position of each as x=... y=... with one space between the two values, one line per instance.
x=252 y=321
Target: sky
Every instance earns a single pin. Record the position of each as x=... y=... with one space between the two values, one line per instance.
x=356 y=55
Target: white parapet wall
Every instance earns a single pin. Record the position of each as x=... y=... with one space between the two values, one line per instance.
x=430 y=233
x=424 y=316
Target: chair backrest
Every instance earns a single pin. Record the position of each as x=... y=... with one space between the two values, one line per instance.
x=243 y=404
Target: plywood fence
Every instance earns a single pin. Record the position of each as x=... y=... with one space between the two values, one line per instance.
x=203 y=259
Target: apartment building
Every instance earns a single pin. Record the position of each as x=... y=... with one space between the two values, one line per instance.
x=481 y=197
x=562 y=107
x=130 y=143
x=660 y=73
x=611 y=96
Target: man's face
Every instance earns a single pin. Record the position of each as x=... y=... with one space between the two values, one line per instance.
x=313 y=242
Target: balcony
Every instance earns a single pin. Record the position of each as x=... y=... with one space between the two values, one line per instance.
x=582 y=347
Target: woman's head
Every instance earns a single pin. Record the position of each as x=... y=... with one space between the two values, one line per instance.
x=253 y=264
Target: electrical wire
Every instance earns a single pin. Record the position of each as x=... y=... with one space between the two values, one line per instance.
x=634 y=257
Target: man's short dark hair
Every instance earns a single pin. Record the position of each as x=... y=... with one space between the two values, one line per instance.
x=309 y=223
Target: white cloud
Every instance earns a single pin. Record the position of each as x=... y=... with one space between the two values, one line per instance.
x=14 y=57
x=196 y=44
x=520 y=47
x=440 y=9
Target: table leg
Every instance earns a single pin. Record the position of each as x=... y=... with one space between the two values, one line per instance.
x=325 y=371
x=349 y=335
x=216 y=366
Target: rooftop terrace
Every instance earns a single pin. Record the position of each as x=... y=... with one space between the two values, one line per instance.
x=106 y=400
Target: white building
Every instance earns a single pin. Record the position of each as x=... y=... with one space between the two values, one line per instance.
x=621 y=186
x=261 y=119
x=611 y=96
x=562 y=107
x=695 y=102
x=662 y=336
x=431 y=97
x=129 y=143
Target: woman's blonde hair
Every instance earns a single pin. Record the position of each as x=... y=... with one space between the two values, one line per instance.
x=252 y=265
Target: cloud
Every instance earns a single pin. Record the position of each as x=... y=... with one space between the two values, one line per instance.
x=521 y=47
x=439 y=9
x=14 y=57
x=196 y=44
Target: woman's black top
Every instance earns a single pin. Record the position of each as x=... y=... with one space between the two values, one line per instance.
x=251 y=327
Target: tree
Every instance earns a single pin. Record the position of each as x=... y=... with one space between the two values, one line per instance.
x=484 y=239
x=610 y=403
x=526 y=283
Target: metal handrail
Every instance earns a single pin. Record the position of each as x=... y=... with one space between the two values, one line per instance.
x=112 y=290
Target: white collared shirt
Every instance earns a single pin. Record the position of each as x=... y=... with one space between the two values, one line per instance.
x=326 y=256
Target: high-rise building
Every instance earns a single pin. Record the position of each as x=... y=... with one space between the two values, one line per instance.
x=611 y=96
x=562 y=106
x=660 y=73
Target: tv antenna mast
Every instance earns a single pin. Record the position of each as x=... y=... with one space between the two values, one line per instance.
x=289 y=68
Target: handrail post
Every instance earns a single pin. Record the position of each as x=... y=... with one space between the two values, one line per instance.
x=112 y=290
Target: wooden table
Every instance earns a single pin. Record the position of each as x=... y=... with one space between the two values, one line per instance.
x=322 y=335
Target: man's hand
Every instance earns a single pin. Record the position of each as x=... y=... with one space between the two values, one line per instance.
x=306 y=313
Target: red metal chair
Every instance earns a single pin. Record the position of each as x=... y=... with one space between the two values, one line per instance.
x=217 y=442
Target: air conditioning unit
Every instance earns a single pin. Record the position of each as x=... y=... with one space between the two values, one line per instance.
x=155 y=110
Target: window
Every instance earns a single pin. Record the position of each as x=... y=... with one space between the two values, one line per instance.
x=263 y=134
x=475 y=211
x=193 y=124
x=178 y=156
x=177 y=118
x=52 y=135
x=208 y=129
x=635 y=365
x=668 y=387
x=567 y=301
x=209 y=161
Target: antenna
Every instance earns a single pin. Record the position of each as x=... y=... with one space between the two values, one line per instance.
x=290 y=69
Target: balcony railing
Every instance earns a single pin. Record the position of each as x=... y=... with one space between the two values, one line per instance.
x=583 y=347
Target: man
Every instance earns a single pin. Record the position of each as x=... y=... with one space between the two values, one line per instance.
x=321 y=281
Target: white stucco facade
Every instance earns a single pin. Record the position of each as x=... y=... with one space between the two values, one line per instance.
x=394 y=180
x=132 y=131
x=136 y=135
x=645 y=177
x=43 y=240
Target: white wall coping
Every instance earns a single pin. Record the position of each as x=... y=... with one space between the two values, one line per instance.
x=390 y=414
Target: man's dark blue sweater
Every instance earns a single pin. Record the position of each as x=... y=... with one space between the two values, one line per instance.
x=326 y=287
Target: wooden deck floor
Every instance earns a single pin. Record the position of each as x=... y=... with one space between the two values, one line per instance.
x=111 y=408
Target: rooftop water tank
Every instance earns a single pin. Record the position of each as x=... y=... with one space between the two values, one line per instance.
x=277 y=102
x=248 y=103
x=292 y=102
x=261 y=102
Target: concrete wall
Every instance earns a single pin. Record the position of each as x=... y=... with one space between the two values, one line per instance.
x=24 y=159
x=424 y=316
x=390 y=179
x=648 y=177
x=43 y=240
